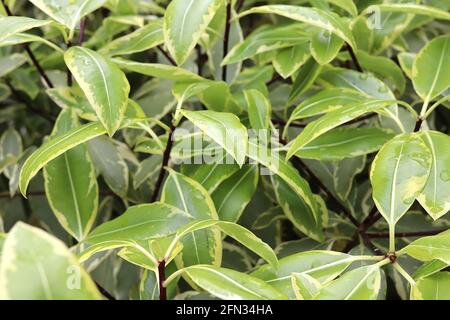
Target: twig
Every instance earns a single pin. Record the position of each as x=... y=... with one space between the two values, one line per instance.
x=165 y=162
x=161 y=279
x=226 y=40
x=406 y=234
x=239 y=5
x=82 y=30
x=354 y=59
x=292 y=124
x=167 y=55
x=104 y=292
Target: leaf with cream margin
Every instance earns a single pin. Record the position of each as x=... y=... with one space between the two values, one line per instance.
x=333 y=119
x=305 y=286
x=13 y=25
x=202 y=246
x=289 y=60
x=359 y=284
x=435 y=198
x=432 y=57
x=184 y=23
x=68 y=13
x=325 y=46
x=398 y=175
x=70 y=183
x=228 y=284
x=430 y=248
x=313 y=16
x=224 y=128
x=103 y=83
x=37 y=266
x=434 y=287
x=54 y=147
x=411 y=8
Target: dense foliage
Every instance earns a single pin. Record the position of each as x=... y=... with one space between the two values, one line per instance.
x=224 y=149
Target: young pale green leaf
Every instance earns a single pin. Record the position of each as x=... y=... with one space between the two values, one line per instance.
x=313 y=16
x=224 y=128
x=70 y=183
x=344 y=143
x=265 y=39
x=202 y=246
x=332 y=120
x=141 y=222
x=411 y=8
x=323 y=266
x=325 y=46
x=184 y=24
x=68 y=13
x=259 y=109
x=432 y=57
x=406 y=61
x=430 y=248
x=434 y=287
x=13 y=25
x=232 y=196
x=289 y=60
x=55 y=147
x=238 y=233
x=305 y=78
x=228 y=284
x=110 y=164
x=359 y=284
x=142 y=39
x=325 y=101
x=19 y=38
x=429 y=268
x=399 y=173
x=103 y=83
x=32 y=258
x=435 y=198
x=305 y=287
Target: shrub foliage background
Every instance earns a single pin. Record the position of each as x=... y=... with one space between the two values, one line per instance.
x=98 y=200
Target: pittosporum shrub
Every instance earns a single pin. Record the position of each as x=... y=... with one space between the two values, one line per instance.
x=224 y=149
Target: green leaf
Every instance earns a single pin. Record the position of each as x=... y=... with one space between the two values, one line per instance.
x=103 y=83
x=333 y=119
x=313 y=16
x=237 y=232
x=325 y=46
x=202 y=246
x=11 y=62
x=232 y=196
x=19 y=38
x=13 y=25
x=323 y=266
x=31 y=258
x=142 y=39
x=55 y=147
x=432 y=57
x=399 y=173
x=434 y=287
x=265 y=39
x=74 y=98
x=325 y=101
x=259 y=109
x=68 y=14
x=347 y=5
x=429 y=268
x=434 y=197
x=344 y=143
x=110 y=164
x=141 y=222
x=411 y=8
x=184 y=24
x=228 y=284
x=304 y=79
x=359 y=284
x=430 y=248
x=10 y=146
x=406 y=61
x=70 y=183
x=158 y=70
x=224 y=128
x=289 y=60
x=305 y=286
